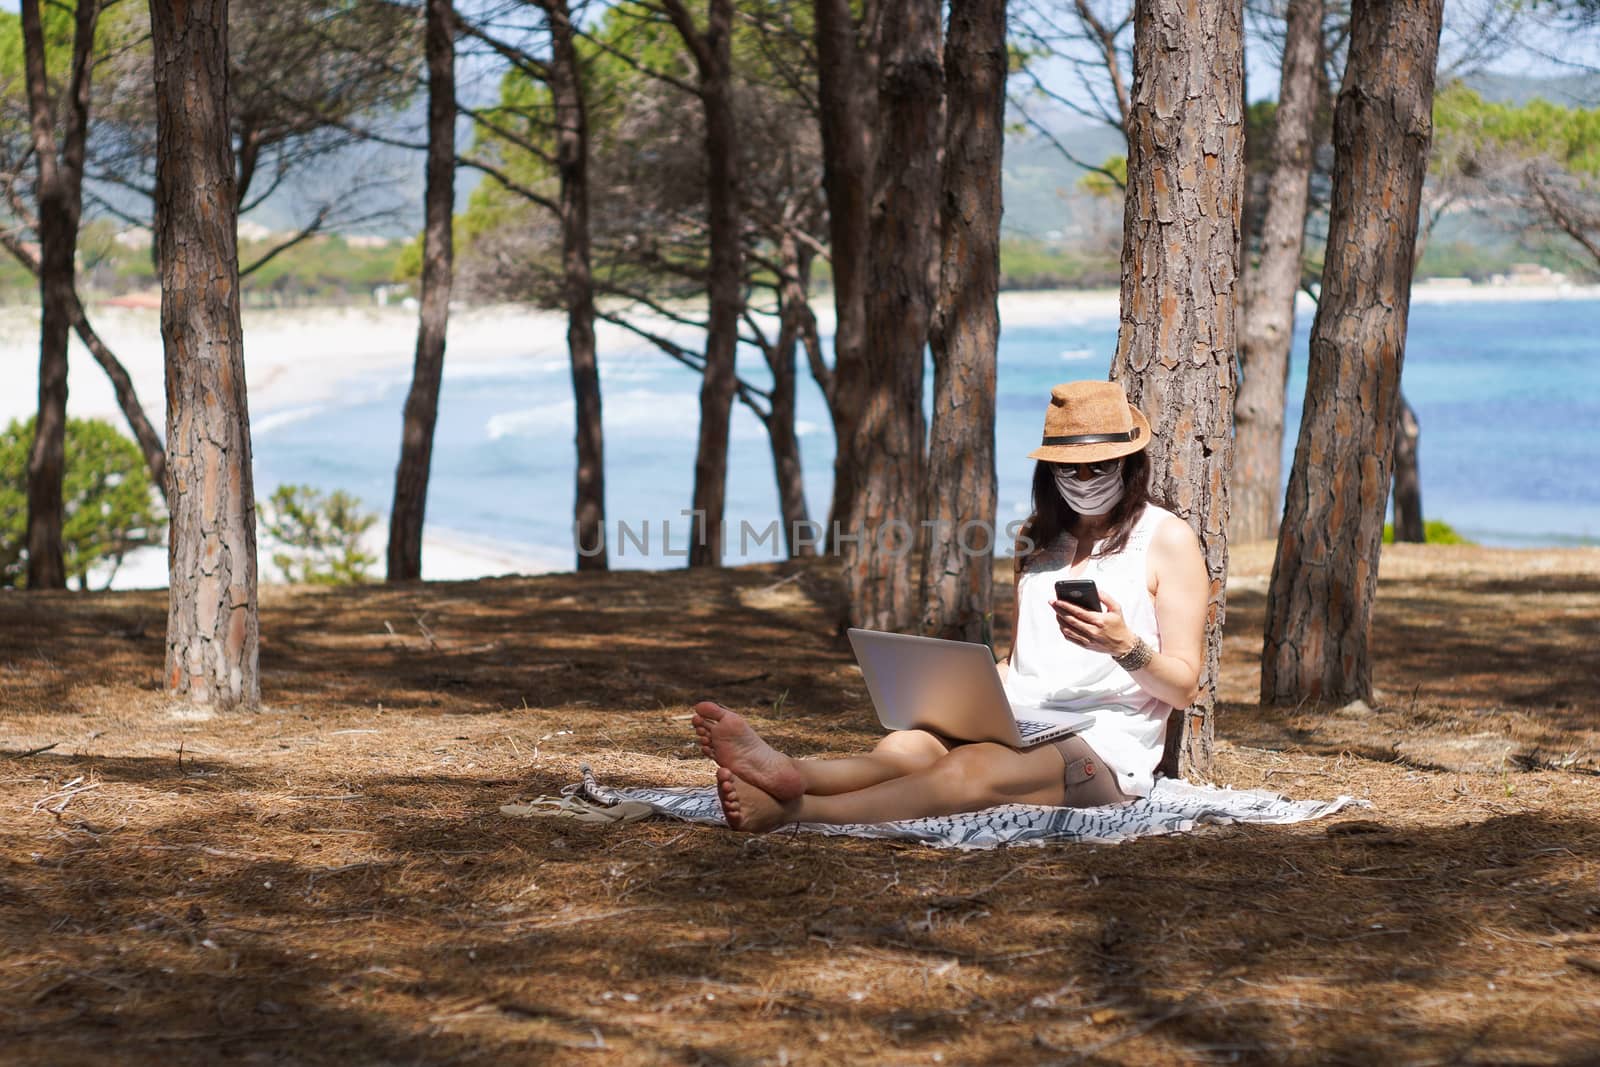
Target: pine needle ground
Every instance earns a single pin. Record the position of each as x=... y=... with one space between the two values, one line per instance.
x=331 y=881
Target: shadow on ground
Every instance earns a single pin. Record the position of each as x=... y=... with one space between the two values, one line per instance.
x=331 y=881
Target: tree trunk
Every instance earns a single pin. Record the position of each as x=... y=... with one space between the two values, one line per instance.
x=572 y=157
x=1180 y=285
x=724 y=281
x=211 y=549
x=422 y=402
x=47 y=457
x=1270 y=286
x=793 y=291
x=847 y=115
x=1408 y=525
x=886 y=450
x=1319 y=605
x=958 y=564
x=60 y=198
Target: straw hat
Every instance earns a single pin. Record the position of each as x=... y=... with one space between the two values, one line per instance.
x=1087 y=422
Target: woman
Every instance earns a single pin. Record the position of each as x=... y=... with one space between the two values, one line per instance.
x=1127 y=665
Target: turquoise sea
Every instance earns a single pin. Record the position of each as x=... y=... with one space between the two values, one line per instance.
x=1508 y=394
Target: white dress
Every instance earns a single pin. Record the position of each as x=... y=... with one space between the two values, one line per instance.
x=1130 y=726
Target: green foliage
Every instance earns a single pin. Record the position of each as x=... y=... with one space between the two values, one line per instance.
x=1109 y=185
x=59 y=24
x=1465 y=124
x=408 y=261
x=1480 y=259
x=17 y=283
x=1031 y=264
x=110 y=506
x=1260 y=126
x=319 y=535
x=327 y=268
x=1434 y=532
x=323 y=269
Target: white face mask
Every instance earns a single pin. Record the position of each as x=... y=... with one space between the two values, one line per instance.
x=1095 y=495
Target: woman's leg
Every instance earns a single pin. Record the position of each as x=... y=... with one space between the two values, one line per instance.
x=729 y=741
x=901 y=753
x=968 y=778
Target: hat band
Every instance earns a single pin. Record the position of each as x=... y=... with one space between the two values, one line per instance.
x=1092 y=438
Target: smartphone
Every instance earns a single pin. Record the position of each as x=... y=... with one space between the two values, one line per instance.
x=1079 y=591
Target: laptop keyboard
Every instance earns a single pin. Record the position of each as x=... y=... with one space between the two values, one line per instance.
x=1029 y=727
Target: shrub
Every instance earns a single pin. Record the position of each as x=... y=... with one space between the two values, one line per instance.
x=110 y=507
x=1434 y=532
x=318 y=536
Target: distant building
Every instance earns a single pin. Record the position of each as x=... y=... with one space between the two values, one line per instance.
x=253 y=231
x=149 y=300
x=383 y=295
x=1530 y=274
x=366 y=240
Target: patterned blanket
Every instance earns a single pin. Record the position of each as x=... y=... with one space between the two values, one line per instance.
x=1174 y=806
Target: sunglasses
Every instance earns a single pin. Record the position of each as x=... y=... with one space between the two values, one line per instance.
x=1105 y=466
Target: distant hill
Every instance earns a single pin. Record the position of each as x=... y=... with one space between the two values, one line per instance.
x=1040 y=185
x=1575 y=90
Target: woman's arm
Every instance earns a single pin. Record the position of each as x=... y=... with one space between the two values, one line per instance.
x=1182 y=592
x=1182 y=597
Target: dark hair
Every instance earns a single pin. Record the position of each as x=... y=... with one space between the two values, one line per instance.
x=1052 y=515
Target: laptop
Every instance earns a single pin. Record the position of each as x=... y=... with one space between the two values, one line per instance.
x=951 y=688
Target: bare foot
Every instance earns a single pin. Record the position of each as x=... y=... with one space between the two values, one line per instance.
x=748 y=808
x=728 y=740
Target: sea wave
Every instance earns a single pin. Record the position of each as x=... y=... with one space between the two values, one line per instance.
x=628 y=413
x=530 y=422
x=261 y=425
x=508 y=369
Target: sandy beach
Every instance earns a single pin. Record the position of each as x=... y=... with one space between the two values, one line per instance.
x=301 y=357
x=296 y=361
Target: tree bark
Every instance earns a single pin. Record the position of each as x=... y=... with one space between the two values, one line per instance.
x=958 y=564
x=713 y=56
x=1408 y=524
x=887 y=445
x=422 y=402
x=1271 y=285
x=1319 y=604
x=847 y=116
x=1180 y=285
x=212 y=625
x=572 y=161
x=793 y=311
x=60 y=198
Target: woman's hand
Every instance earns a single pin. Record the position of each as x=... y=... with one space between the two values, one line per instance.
x=1099 y=631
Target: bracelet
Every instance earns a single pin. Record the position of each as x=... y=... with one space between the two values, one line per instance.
x=1137 y=657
